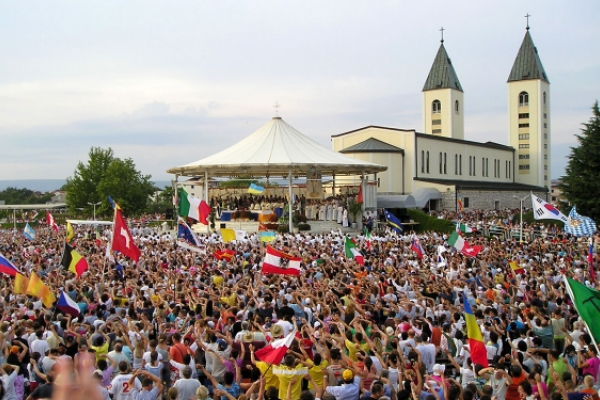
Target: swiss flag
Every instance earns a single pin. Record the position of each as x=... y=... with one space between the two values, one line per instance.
x=471 y=251
x=122 y=241
x=51 y=223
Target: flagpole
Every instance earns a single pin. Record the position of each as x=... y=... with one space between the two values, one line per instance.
x=568 y=287
x=206 y=198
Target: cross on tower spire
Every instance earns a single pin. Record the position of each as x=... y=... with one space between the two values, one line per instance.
x=276 y=107
x=442 y=30
x=527 y=16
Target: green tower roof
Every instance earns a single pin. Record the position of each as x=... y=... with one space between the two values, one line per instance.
x=442 y=74
x=527 y=65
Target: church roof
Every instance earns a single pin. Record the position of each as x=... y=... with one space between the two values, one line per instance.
x=527 y=65
x=372 y=145
x=442 y=74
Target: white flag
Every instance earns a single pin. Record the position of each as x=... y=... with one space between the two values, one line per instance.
x=543 y=210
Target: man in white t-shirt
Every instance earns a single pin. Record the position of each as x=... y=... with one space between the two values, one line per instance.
x=39 y=345
x=120 y=388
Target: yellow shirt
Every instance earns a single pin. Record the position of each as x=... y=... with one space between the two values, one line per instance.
x=285 y=375
x=352 y=349
x=101 y=351
x=316 y=372
x=218 y=280
x=270 y=379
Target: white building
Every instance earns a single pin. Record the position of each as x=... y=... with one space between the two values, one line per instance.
x=438 y=165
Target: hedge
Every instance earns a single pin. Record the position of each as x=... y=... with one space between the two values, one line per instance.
x=427 y=223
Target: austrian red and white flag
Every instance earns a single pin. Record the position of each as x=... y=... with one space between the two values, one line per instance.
x=51 y=223
x=122 y=241
x=278 y=262
x=274 y=352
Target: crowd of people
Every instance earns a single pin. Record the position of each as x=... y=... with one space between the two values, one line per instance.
x=183 y=325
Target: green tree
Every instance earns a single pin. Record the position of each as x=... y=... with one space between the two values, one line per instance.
x=581 y=183
x=12 y=195
x=103 y=176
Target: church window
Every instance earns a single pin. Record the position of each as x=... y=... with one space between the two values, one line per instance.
x=457 y=107
x=436 y=107
x=506 y=169
x=474 y=172
x=465 y=202
x=470 y=166
x=441 y=171
x=445 y=164
x=427 y=162
x=460 y=164
x=523 y=99
x=455 y=164
x=482 y=166
x=509 y=169
x=422 y=161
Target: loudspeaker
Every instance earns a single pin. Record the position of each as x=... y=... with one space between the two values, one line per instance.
x=223 y=226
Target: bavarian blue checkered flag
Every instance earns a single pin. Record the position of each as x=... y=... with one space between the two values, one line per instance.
x=579 y=225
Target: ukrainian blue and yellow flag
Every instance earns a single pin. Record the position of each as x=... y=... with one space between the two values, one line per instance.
x=255 y=189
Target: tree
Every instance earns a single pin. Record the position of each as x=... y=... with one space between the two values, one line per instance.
x=581 y=183
x=103 y=176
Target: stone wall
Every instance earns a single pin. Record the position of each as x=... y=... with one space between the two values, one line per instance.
x=487 y=200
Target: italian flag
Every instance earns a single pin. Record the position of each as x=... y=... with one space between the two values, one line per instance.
x=464 y=228
x=459 y=244
x=192 y=207
x=352 y=252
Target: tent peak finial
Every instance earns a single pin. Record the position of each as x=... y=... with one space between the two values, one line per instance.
x=276 y=117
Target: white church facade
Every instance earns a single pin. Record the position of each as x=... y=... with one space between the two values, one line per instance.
x=435 y=167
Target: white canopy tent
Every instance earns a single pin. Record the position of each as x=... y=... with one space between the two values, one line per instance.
x=276 y=150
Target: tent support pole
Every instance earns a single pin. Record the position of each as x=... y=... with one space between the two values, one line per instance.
x=290 y=221
x=206 y=196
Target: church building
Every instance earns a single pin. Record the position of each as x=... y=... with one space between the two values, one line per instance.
x=437 y=167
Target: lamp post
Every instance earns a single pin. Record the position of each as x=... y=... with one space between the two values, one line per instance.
x=94 y=205
x=521 y=216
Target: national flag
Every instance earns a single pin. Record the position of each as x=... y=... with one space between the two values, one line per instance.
x=8 y=267
x=415 y=246
x=122 y=241
x=267 y=236
x=465 y=228
x=274 y=352
x=34 y=215
x=590 y=258
x=50 y=221
x=543 y=210
x=187 y=239
x=73 y=261
x=352 y=252
x=459 y=202
x=113 y=203
x=456 y=241
x=515 y=268
x=476 y=345
x=278 y=262
x=67 y=305
x=262 y=228
x=393 y=221
x=228 y=235
x=225 y=254
x=255 y=189
x=37 y=288
x=29 y=233
x=579 y=225
x=192 y=207
x=587 y=303
x=70 y=233
x=21 y=284
x=359 y=198
x=367 y=239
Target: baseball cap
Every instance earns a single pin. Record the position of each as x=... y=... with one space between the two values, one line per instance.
x=347 y=375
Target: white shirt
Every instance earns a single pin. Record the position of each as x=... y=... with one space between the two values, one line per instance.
x=39 y=346
x=119 y=387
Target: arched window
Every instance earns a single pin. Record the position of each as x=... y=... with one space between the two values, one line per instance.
x=457 y=107
x=544 y=98
x=436 y=107
x=523 y=99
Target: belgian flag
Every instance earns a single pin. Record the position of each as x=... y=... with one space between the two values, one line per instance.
x=73 y=261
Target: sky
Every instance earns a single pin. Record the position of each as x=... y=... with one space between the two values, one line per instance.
x=169 y=83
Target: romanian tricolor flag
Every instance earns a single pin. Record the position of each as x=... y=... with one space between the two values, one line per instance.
x=478 y=350
x=73 y=261
x=515 y=268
